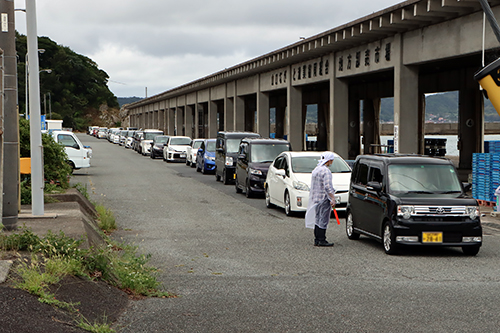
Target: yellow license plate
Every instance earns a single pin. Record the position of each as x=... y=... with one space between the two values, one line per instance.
x=432 y=237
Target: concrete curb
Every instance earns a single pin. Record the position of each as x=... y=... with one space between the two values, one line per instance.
x=74 y=215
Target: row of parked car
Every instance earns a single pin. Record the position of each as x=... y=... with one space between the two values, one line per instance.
x=396 y=199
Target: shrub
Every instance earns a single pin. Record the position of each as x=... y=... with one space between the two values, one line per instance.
x=56 y=168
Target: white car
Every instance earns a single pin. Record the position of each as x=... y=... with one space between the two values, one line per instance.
x=176 y=148
x=149 y=135
x=129 y=139
x=102 y=132
x=78 y=155
x=191 y=152
x=289 y=179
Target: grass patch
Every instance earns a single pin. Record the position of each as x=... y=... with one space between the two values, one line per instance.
x=106 y=219
x=95 y=327
x=55 y=256
x=82 y=189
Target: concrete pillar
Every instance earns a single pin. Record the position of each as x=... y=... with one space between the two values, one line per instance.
x=212 y=119
x=368 y=126
x=406 y=106
x=339 y=116
x=263 y=114
x=354 y=130
x=170 y=121
x=196 y=121
x=228 y=114
x=280 y=120
x=294 y=118
x=239 y=113
x=471 y=122
x=188 y=121
x=181 y=130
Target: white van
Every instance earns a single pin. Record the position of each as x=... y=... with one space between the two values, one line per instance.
x=78 y=155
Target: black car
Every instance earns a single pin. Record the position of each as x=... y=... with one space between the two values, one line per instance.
x=226 y=152
x=411 y=200
x=157 y=146
x=255 y=155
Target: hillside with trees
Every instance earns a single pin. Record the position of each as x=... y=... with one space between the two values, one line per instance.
x=75 y=90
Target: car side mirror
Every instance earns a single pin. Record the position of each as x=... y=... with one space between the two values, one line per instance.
x=466 y=186
x=281 y=172
x=375 y=186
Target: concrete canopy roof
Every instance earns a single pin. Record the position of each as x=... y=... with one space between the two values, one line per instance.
x=406 y=16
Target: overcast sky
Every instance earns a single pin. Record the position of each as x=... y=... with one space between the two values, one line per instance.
x=162 y=44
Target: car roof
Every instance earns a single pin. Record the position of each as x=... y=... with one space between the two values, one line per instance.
x=152 y=130
x=264 y=140
x=405 y=159
x=238 y=134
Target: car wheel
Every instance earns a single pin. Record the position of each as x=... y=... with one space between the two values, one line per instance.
x=224 y=178
x=349 y=227
x=288 y=206
x=470 y=250
x=268 y=199
x=388 y=239
x=248 y=190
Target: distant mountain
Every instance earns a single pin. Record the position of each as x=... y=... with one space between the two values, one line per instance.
x=127 y=100
x=439 y=108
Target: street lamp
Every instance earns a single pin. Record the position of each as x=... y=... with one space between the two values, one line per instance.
x=48 y=71
x=41 y=51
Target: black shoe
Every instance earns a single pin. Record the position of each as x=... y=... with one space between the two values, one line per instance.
x=322 y=243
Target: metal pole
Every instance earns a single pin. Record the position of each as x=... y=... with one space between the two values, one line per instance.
x=26 y=111
x=491 y=18
x=2 y=108
x=10 y=122
x=37 y=183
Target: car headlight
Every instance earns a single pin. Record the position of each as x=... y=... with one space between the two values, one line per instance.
x=406 y=211
x=229 y=160
x=301 y=186
x=210 y=158
x=255 y=172
x=472 y=211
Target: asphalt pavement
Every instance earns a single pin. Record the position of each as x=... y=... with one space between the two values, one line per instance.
x=240 y=267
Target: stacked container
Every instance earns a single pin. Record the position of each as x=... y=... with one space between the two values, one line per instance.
x=486 y=175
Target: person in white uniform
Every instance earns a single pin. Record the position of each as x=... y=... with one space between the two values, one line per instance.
x=321 y=199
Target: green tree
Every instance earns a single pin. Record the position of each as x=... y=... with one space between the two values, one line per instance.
x=76 y=88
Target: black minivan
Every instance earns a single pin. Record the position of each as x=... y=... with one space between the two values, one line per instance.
x=255 y=155
x=226 y=152
x=411 y=200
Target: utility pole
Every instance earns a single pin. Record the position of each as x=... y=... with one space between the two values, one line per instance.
x=10 y=166
x=37 y=183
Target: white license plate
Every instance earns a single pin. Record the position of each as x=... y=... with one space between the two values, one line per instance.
x=183 y=155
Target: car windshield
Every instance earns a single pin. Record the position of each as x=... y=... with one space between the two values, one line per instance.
x=232 y=145
x=407 y=179
x=180 y=141
x=151 y=136
x=210 y=146
x=306 y=164
x=197 y=144
x=262 y=153
x=161 y=139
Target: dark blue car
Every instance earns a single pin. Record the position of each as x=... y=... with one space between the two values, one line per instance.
x=205 y=158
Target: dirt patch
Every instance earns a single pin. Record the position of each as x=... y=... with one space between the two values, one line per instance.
x=98 y=303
